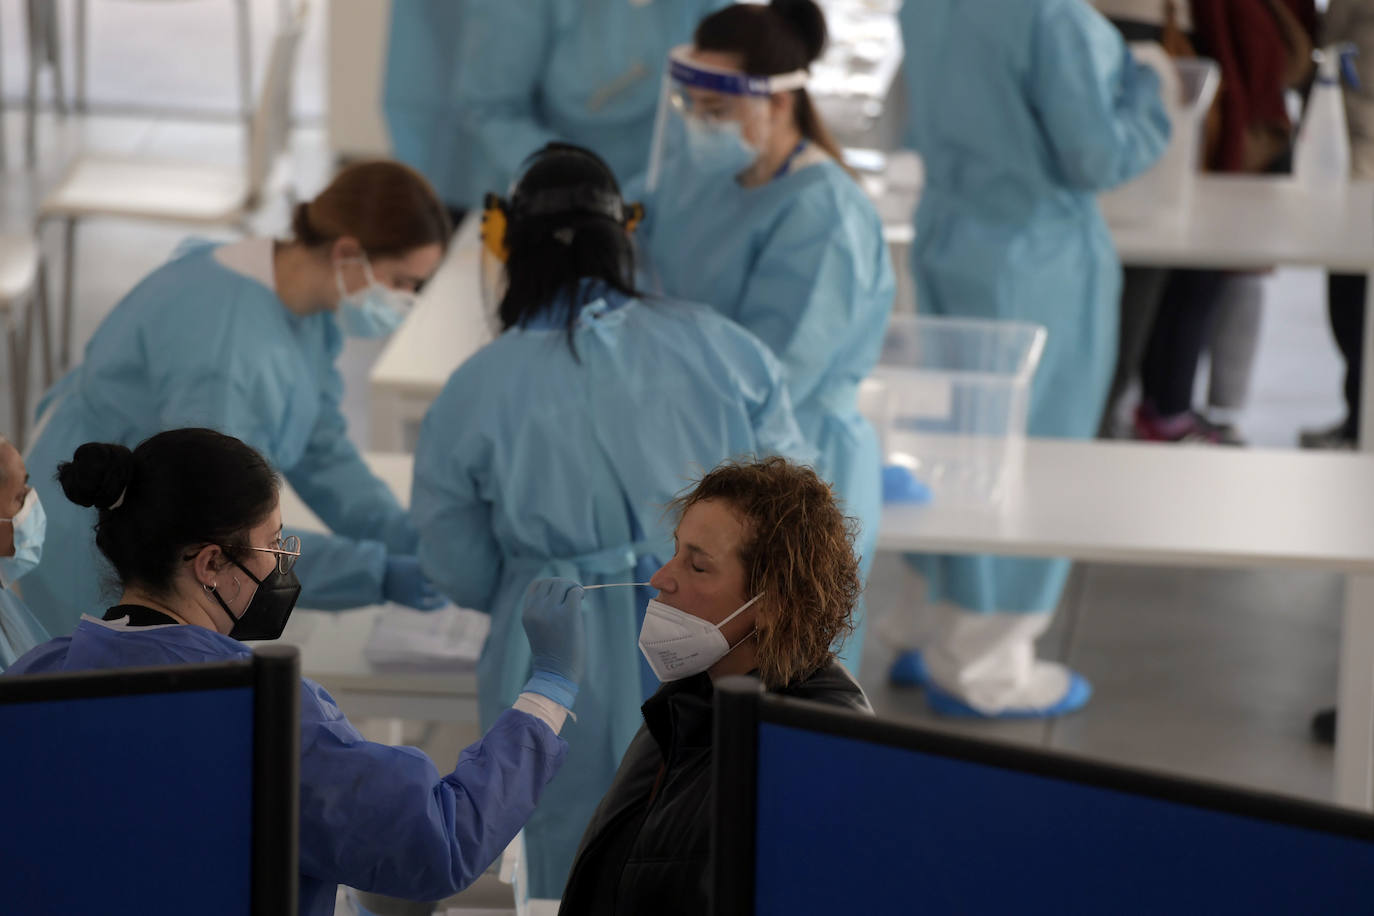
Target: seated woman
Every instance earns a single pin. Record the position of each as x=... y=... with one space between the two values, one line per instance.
x=190 y=522
x=553 y=450
x=764 y=581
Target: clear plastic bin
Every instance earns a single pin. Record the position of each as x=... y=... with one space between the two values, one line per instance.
x=949 y=399
x=1165 y=192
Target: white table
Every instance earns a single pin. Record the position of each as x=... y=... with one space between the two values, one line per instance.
x=1148 y=504
x=331 y=642
x=447 y=325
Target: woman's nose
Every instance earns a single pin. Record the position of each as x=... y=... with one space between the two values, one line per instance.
x=663 y=580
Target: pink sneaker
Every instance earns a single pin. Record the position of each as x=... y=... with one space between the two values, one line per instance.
x=1182 y=427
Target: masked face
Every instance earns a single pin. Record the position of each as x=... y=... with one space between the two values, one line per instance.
x=718 y=148
x=677 y=644
x=29 y=525
x=702 y=610
x=374 y=310
x=270 y=607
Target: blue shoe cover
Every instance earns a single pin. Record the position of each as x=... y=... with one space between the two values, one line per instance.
x=909 y=670
x=946 y=704
x=901 y=486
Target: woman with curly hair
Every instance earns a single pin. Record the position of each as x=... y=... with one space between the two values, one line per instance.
x=763 y=581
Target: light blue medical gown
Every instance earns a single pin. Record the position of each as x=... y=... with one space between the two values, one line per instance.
x=534 y=462
x=1022 y=110
x=374 y=817
x=581 y=71
x=420 y=105
x=20 y=631
x=801 y=262
x=198 y=344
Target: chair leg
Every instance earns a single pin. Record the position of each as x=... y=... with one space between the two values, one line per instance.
x=43 y=307
x=54 y=54
x=245 y=61
x=36 y=44
x=68 y=290
x=79 y=52
x=20 y=335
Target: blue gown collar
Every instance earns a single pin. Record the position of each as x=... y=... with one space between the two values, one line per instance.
x=596 y=299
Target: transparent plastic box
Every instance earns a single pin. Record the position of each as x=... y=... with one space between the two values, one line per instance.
x=1165 y=191
x=949 y=399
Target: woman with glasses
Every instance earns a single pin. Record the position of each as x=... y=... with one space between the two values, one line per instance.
x=243 y=338
x=191 y=524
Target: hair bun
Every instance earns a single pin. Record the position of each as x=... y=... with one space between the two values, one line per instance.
x=97 y=475
x=807 y=21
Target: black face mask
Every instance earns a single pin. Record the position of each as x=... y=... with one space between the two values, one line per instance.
x=268 y=609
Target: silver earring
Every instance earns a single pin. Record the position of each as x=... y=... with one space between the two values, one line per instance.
x=210 y=589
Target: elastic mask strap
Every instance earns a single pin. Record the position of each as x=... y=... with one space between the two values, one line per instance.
x=742 y=608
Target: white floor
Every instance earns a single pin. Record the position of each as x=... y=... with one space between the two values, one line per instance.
x=1207 y=673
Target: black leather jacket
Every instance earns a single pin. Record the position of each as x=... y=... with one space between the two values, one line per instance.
x=647 y=847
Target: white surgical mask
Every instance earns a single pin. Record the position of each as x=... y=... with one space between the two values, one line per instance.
x=30 y=527
x=677 y=644
x=372 y=311
x=718 y=148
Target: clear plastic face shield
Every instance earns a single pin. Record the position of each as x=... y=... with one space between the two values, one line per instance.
x=712 y=122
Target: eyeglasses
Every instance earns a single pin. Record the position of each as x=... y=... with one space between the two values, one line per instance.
x=288 y=551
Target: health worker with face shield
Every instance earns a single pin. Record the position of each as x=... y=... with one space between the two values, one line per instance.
x=580 y=71
x=1022 y=111
x=243 y=338
x=750 y=210
x=22 y=527
x=554 y=450
x=190 y=522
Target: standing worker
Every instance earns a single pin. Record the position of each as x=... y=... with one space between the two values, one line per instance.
x=581 y=71
x=243 y=338
x=420 y=104
x=1022 y=111
x=750 y=210
x=555 y=450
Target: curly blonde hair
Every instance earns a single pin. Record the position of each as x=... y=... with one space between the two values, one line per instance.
x=798 y=552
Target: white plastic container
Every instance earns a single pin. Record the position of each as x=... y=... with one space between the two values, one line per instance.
x=949 y=399
x=1164 y=193
x=1321 y=157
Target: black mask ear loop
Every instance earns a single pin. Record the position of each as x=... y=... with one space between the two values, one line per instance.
x=238 y=590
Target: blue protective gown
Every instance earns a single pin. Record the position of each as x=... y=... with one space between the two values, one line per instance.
x=198 y=344
x=1022 y=110
x=20 y=631
x=374 y=817
x=801 y=262
x=534 y=462
x=582 y=71
x=420 y=106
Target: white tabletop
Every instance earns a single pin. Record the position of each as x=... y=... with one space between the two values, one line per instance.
x=331 y=642
x=1234 y=222
x=446 y=326
x=1165 y=505
x=1144 y=503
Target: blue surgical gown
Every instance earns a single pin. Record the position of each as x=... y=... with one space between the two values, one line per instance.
x=198 y=344
x=581 y=71
x=420 y=103
x=537 y=462
x=1022 y=110
x=801 y=262
x=374 y=817
x=20 y=631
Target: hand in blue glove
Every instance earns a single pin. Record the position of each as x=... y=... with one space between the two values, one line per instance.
x=404 y=583
x=558 y=641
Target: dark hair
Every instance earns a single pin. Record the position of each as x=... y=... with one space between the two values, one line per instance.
x=783 y=36
x=177 y=490
x=388 y=207
x=560 y=230
x=798 y=553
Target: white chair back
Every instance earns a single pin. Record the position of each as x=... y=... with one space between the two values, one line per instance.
x=269 y=128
